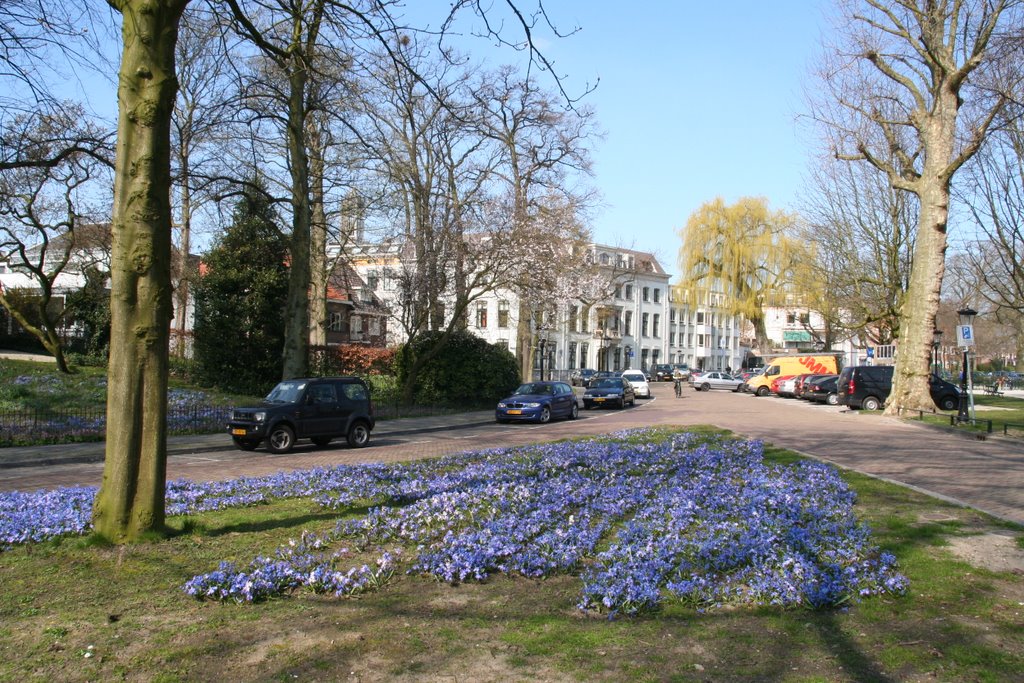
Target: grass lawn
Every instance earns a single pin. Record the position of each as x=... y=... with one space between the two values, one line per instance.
x=73 y=610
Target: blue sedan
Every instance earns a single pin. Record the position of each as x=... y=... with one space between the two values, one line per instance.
x=538 y=402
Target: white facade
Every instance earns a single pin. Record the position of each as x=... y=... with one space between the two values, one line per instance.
x=792 y=328
x=639 y=324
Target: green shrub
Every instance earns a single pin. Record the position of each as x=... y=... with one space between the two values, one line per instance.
x=466 y=371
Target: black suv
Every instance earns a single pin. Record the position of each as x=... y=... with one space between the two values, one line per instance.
x=319 y=409
x=663 y=372
x=867 y=387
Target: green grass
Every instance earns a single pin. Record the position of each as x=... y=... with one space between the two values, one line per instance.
x=958 y=622
x=30 y=385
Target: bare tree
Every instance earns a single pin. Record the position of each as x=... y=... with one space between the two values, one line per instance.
x=910 y=93
x=862 y=234
x=49 y=215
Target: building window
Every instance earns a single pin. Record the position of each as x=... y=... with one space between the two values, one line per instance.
x=574 y=314
x=647 y=293
x=585 y=319
x=655 y=355
x=617 y=359
x=700 y=317
x=629 y=291
x=605 y=260
x=572 y=355
x=656 y=325
x=374 y=327
x=357 y=324
x=671 y=338
x=503 y=314
x=672 y=316
x=643 y=359
x=618 y=291
x=336 y=322
x=584 y=350
x=643 y=324
x=481 y=315
x=700 y=341
x=503 y=343
x=790 y=318
x=657 y=295
x=628 y=331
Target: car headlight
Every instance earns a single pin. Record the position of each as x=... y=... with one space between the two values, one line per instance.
x=260 y=417
x=502 y=405
x=532 y=405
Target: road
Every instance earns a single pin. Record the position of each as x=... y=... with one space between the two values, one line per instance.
x=988 y=474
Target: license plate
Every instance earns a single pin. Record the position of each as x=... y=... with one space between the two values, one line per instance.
x=515 y=412
x=238 y=432
x=598 y=400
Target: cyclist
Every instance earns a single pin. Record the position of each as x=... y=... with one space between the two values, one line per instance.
x=678 y=381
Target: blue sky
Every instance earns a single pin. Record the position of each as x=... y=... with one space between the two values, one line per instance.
x=697 y=100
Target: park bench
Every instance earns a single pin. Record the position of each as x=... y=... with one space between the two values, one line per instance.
x=993 y=390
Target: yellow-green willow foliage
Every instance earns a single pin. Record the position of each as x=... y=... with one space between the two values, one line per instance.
x=743 y=250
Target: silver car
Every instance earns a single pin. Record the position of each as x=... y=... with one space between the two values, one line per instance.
x=716 y=380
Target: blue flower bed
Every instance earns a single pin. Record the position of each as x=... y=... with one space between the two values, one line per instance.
x=642 y=519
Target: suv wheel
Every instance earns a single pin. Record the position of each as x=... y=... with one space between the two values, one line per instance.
x=949 y=403
x=871 y=403
x=574 y=412
x=832 y=399
x=281 y=439
x=358 y=435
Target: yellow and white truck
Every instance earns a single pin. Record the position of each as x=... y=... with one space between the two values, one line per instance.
x=791 y=364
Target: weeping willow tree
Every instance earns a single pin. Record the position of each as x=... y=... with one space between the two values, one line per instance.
x=744 y=251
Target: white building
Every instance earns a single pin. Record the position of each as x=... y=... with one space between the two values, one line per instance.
x=640 y=323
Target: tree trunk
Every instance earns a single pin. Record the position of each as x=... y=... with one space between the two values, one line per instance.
x=296 y=335
x=184 y=274
x=130 y=501
x=318 y=243
x=910 y=389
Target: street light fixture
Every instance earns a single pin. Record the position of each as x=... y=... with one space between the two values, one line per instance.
x=965 y=336
x=936 y=345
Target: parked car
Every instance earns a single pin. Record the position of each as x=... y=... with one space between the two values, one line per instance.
x=681 y=371
x=641 y=388
x=609 y=391
x=802 y=381
x=868 y=387
x=538 y=402
x=715 y=380
x=662 y=372
x=776 y=385
x=581 y=377
x=315 y=408
x=785 y=387
x=822 y=390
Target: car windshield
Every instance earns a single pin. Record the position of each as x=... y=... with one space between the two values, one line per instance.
x=535 y=389
x=607 y=383
x=286 y=392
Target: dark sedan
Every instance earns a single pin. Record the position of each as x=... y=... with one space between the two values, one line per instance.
x=609 y=391
x=538 y=402
x=822 y=390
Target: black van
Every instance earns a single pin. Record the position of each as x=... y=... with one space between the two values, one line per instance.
x=319 y=409
x=867 y=387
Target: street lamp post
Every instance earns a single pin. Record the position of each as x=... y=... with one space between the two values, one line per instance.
x=936 y=345
x=542 y=343
x=965 y=337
